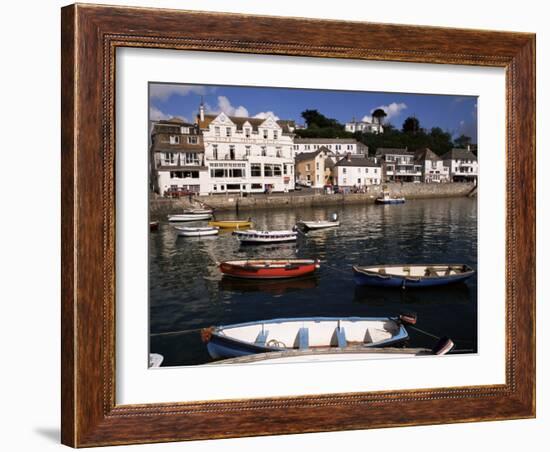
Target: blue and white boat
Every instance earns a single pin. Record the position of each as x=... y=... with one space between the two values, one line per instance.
x=414 y=275
x=387 y=199
x=311 y=333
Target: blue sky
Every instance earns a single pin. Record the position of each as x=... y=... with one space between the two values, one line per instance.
x=455 y=114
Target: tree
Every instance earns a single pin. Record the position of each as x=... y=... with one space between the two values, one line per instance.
x=379 y=115
x=411 y=125
x=315 y=119
x=463 y=141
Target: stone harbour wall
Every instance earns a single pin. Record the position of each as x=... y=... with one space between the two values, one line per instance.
x=231 y=202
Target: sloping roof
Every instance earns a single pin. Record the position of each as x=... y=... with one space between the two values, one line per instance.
x=239 y=121
x=459 y=154
x=311 y=155
x=175 y=121
x=426 y=154
x=298 y=140
x=361 y=162
x=395 y=151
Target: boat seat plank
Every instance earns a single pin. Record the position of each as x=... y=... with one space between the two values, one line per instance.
x=341 y=337
x=262 y=337
x=303 y=338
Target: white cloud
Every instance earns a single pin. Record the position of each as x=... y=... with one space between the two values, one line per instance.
x=224 y=105
x=164 y=91
x=392 y=110
x=155 y=114
x=266 y=114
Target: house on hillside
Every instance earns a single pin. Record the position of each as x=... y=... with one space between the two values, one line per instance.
x=433 y=167
x=399 y=165
x=177 y=162
x=358 y=172
x=340 y=146
x=364 y=126
x=462 y=165
x=315 y=168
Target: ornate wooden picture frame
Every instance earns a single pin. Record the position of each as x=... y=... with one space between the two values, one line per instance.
x=90 y=37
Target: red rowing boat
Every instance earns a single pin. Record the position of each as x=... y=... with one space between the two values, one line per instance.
x=269 y=268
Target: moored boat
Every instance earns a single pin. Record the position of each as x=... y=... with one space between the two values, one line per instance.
x=444 y=346
x=251 y=236
x=196 y=232
x=231 y=224
x=190 y=217
x=319 y=224
x=411 y=275
x=387 y=199
x=196 y=211
x=309 y=333
x=269 y=268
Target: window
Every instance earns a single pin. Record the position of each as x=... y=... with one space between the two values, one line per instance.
x=285 y=169
x=192 y=140
x=256 y=186
x=375 y=170
x=338 y=147
x=350 y=147
x=308 y=167
x=170 y=158
x=217 y=131
x=315 y=146
x=184 y=174
x=344 y=170
x=266 y=135
x=247 y=150
x=317 y=166
x=215 y=151
x=306 y=147
x=191 y=158
x=359 y=181
x=174 y=139
x=256 y=170
x=268 y=170
x=264 y=151
x=184 y=130
x=228 y=131
x=233 y=186
x=279 y=151
x=275 y=135
x=247 y=132
x=232 y=152
x=277 y=170
x=296 y=147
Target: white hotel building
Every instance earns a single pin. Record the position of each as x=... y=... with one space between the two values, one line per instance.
x=339 y=146
x=246 y=155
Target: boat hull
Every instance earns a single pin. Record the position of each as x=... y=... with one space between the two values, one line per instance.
x=363 y=278
x=389 y=201
x=312 y=225
x=197 y=232
x=230 y=224
x=189 y=217
x=251 y=271
x=222 y=346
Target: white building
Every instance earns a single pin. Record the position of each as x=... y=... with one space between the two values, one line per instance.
x=373 y=126
x=340 y=146
x=433 y=167
x=358 y=171
x=462 y=164
x=399 y=165
x=247 y=155
x=177 y=158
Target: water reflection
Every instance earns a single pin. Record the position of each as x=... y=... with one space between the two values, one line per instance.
x=188 y=292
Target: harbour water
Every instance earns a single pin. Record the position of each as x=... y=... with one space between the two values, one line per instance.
x=187 y=291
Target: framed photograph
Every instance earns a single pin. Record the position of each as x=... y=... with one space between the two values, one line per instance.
x=282 y=225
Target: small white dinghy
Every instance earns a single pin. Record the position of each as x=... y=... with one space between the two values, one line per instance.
x=319 y=224
x=304 y=333
x=196 y=232
x=252 y=236
x=197 y=211
x=189 y=217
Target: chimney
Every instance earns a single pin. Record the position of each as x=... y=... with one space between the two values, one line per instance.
x=468 y=147
x=201 y=110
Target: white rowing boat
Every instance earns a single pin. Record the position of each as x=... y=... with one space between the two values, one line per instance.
x=251 y=236
x=190 y=217
x=319 y=224
x=198 y=211
x=196 y=232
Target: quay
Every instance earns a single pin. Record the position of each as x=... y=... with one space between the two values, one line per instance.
x=159 y=206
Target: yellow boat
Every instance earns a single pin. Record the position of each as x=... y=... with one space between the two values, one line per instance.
x=231 y=224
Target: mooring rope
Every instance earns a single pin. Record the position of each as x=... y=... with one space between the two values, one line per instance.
x=172 y=333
